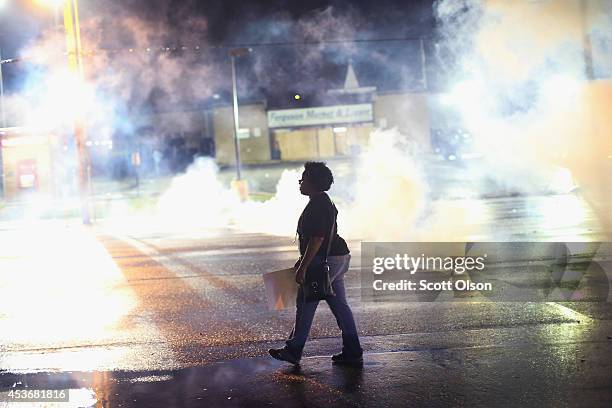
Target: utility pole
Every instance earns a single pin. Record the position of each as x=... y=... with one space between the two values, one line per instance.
x=75 y=63
x=239 y=185
x=233 y=53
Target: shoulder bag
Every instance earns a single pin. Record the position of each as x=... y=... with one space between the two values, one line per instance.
x=317 y=284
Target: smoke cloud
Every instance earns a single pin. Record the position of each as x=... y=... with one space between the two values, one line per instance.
x=525 y=92
x=198 y=199
x=390 y=190
x=525 y=95
x=388 y=200
x=146 y=60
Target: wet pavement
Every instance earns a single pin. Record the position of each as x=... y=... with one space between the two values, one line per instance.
x=150 y=317
x=561 y=372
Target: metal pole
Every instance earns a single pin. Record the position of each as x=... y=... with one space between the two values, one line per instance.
x=423 y=64
x=236 y=122
x=2 y=93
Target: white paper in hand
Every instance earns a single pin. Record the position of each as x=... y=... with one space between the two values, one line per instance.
x=281 y=289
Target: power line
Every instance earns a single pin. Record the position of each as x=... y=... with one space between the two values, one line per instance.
x=197 y=48
x=318 y=42
x=262 y=44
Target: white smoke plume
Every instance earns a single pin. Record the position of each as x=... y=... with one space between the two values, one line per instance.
x=522 y=94
x=390 y=191
x=131 y=62
x=198 y=199
x=389 y=200
x=524 y=87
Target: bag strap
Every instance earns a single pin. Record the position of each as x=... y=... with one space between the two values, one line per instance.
x=331 y=232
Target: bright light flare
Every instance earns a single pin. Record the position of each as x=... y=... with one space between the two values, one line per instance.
x=467 y=92
x=561 y=180
x=469 y=98
x=50 y=3
x=25 y=141
x=560 y=91
x=63 y=98
x=72 y=291
x=565 y=214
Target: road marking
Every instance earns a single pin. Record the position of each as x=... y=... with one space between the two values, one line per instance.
x=218 y=323
x=164 y=310
x=170 y=262
x=571 y=313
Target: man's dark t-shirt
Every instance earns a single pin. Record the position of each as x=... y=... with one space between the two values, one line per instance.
x=315 y=221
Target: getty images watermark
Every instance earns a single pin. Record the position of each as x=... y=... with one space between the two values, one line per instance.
x=493 y=271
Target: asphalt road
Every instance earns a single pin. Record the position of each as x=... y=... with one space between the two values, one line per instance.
x=152 y=317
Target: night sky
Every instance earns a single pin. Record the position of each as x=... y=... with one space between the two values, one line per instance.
x=226 y=18
x=307 y=38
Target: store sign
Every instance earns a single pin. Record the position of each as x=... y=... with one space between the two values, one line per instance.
x=325 y=115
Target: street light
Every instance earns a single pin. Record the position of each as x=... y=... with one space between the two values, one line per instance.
x=233 y=53
x=56 y=4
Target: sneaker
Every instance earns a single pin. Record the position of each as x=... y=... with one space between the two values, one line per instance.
x=283 y=354
x=341 y=358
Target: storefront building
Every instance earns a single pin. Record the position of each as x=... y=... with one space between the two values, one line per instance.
x=27 y=161
x=320 y=132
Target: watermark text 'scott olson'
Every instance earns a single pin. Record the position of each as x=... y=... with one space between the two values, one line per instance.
x=492 y=271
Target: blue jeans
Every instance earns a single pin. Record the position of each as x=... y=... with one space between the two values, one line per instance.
x=305 y=311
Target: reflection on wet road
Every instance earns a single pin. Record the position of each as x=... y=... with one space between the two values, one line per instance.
x=182 y=315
